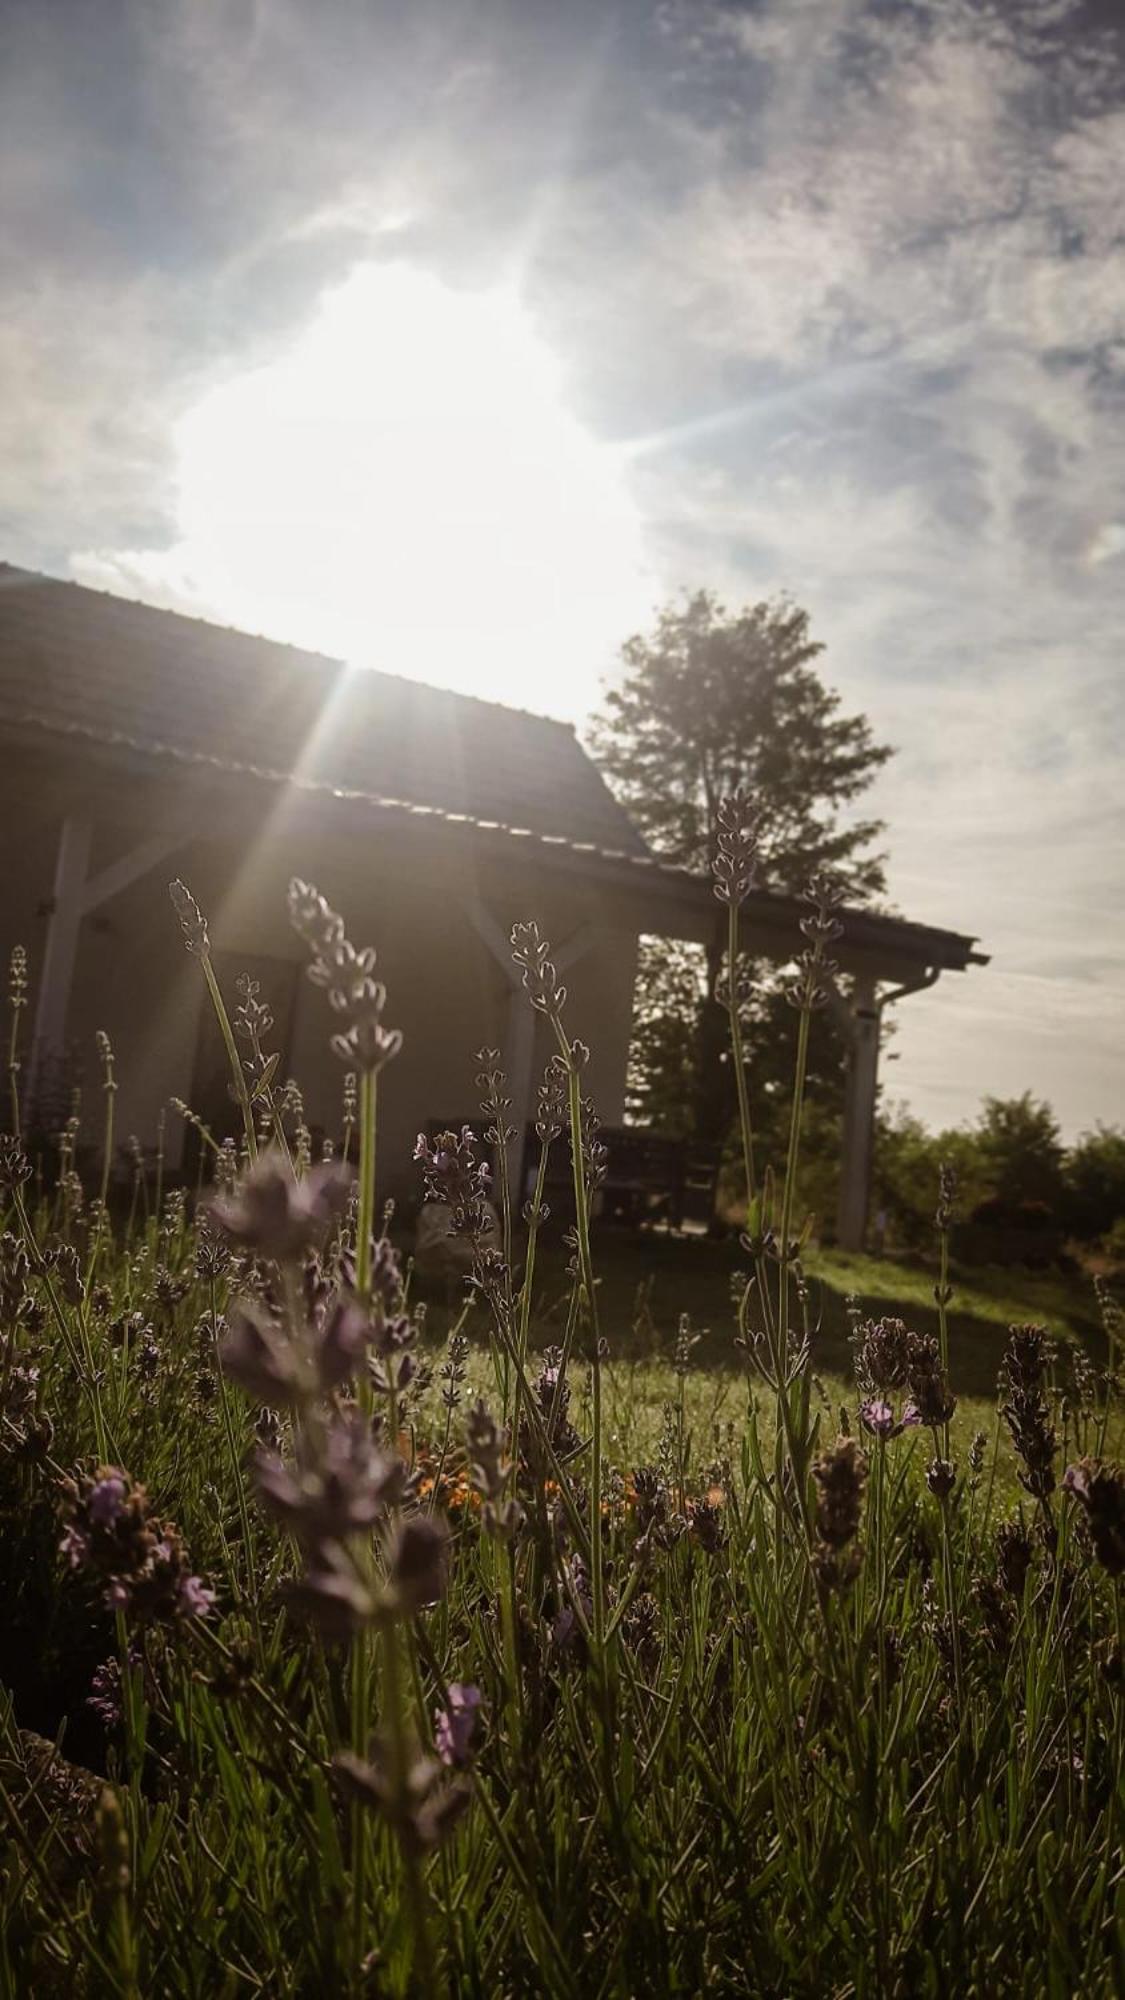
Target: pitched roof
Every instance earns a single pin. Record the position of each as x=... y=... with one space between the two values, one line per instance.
x=83 y=663
x=153 y=687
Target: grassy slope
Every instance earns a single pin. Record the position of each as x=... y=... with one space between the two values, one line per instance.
x=648 y=1280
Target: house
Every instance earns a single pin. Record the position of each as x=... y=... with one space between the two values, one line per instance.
x=140 y=745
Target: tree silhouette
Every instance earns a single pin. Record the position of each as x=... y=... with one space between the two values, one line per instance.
x=707 y=702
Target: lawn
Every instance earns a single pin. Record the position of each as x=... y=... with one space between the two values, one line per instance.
x=648 y=1280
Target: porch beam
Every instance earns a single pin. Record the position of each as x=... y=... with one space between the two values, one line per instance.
x=127 y=869
x=860 y=1017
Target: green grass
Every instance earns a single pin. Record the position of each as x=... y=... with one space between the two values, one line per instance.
x=674 y=1830
x=648 y=1280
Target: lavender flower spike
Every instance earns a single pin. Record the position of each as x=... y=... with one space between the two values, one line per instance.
x=735 y=862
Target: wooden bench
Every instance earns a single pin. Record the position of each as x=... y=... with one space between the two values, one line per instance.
x=649 y=1178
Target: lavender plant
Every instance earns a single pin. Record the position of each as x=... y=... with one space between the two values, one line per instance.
x=389 y=1689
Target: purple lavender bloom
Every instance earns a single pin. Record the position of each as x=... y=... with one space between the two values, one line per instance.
x=344 y=1341
x=564 y=1628
x=107 y=1498
x=280 y=1217
x=455 y=1724
x=453 y=1174
x=877 y=1417
x=257 y=1357
x=194 y=1598
x=75 y=1545
x=1076 y=1481
x=105 y=1694
x=1100 y=1491
x=104 y=1697
x=148 y=1356
x=416 y=1566
x=331 y=1595
x=336 y=1490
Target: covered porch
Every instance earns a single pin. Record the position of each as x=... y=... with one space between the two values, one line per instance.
x=436 y=892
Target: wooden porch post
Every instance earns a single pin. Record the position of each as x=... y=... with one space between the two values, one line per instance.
x=75 y=895
x=56 y=973
x=860 y=1016
x=860 y=1079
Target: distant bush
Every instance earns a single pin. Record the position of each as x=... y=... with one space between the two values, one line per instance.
x=1094 y=1198
x=1002 y=1231
x=908 y=1160
x=1013 y=1174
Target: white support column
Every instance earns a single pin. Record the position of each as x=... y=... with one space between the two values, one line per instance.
x=519 y=1054
x=56 y=973
x=75 y=895
x=861 y=1077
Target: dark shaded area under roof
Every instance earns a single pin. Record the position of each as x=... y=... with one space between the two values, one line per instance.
x=75 y=658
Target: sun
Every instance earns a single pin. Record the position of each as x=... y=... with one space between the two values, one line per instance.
x=406 y=488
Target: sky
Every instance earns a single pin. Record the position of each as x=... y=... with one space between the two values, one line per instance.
x=456 y=339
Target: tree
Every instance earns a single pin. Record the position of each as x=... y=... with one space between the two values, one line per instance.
x=908 y=1162
x=661 y=1083
x=708 y=702
x=1095 y=1183
x=1021 y=1150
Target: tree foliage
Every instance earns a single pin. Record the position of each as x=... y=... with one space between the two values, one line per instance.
x=908 y=1159
x=1012 y=1154
x=707 y=702
x=1095 y=1183
x=710 y=701
x=662 y=1079
x=1021 y=1150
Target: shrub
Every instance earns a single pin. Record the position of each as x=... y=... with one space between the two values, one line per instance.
x=1095 y=1183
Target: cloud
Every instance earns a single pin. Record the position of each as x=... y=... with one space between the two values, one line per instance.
x=183 y=184
x=1108 y=542
x=912 y=268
